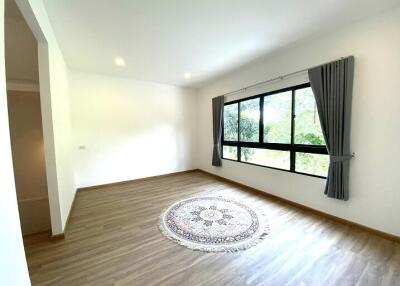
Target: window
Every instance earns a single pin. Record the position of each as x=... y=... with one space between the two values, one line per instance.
x=265 y=157
x=249 y=120
x=309 y=163
x=308 y=128
x=278 y=129
x=231 y=122
x=230 y=152
x=277 y=117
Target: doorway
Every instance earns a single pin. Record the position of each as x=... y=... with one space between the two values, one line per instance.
x=25 y=122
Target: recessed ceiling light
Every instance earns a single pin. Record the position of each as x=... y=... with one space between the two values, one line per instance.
x=119 y=61
x=187 y=75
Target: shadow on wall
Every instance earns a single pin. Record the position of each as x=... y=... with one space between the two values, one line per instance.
x=28 y=159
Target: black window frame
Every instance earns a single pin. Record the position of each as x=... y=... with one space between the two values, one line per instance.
x=291 y=147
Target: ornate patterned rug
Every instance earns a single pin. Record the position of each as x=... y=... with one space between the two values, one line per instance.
x=214 y=224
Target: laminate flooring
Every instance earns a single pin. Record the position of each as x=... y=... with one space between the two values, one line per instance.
x=113 y=239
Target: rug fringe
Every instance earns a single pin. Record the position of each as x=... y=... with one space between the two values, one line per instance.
x=217 y=248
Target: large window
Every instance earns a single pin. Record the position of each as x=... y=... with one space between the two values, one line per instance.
x=278 y=129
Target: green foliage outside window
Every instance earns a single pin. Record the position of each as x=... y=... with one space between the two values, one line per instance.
x=308 y=131
x=249 y=120
x=316 y=164
x=277 y=121
x=308 y=128
x=231 y=122
x=249 y=124
x=277 y=117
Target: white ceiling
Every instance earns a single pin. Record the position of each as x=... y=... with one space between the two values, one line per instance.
x=161 y=40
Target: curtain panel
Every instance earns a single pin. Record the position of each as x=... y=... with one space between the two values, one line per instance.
x=332 y=85
x=218 y=115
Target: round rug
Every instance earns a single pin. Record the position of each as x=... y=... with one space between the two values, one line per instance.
x=213 y=224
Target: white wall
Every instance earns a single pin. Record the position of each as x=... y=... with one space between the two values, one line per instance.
x=129 y=129
x=374 y=184
x=13 y=268
x=53 y=78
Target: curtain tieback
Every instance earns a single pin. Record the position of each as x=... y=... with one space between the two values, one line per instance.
x=335 y=159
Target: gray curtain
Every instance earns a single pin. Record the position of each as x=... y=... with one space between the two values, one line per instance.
x=332 y=85
x=218 y=111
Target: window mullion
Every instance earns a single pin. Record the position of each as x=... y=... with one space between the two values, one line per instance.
x=261 y=125
x=238 y=135
x=292 y=126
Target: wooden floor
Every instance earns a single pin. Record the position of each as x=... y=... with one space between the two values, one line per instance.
x=113 y=239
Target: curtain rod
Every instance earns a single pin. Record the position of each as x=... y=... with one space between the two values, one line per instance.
x=277 y=78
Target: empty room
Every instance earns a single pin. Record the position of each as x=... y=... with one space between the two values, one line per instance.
x=199 y=142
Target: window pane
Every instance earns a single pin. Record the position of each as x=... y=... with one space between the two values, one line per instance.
x=249 y=120
x=270 y=158
x=231 y=122
x=229 y=152
x=307 y=125
x=277 y=117
x=315 y=164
